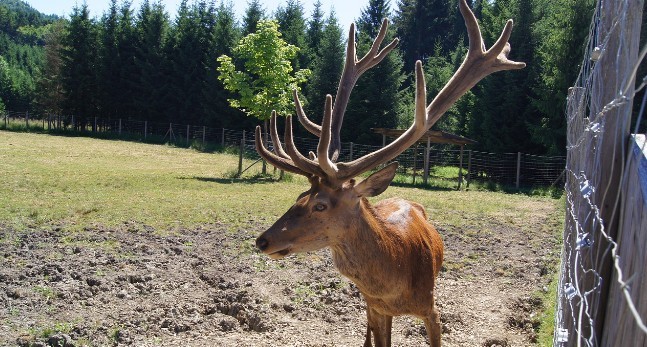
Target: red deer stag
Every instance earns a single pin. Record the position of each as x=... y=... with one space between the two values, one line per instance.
x=388 y=250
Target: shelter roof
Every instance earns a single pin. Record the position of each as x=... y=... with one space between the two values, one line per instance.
x=434 y=136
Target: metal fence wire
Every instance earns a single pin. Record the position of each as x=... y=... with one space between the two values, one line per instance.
x=509 y=169
x=602 y=299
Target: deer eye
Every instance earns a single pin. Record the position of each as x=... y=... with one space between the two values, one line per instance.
x=320 y=207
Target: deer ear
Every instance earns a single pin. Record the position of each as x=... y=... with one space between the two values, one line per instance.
x=377 y=183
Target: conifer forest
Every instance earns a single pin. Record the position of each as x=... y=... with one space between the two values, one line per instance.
x=139 y=63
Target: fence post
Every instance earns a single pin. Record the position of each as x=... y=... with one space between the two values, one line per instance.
x=145 y=129
x=94 y=127
x=204 y=134
x=223 y=137
x=460 y=168
x=469 y=168
x=415 y=161
x=351 y=152
x=188 y=129
x=119 y=126
x=518 y=169
x=241 y=152
x=425 y=175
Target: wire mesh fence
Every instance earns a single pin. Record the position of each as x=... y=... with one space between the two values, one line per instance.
x=509 y=169
x=601 y=298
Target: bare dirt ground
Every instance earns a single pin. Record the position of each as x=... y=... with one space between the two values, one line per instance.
x=135 y=286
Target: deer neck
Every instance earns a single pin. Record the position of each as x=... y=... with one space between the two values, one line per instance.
x=365 y=251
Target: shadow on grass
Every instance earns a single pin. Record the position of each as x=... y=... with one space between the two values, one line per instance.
x=258 y=179
x=430 y=187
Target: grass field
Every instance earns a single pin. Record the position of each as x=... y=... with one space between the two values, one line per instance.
x=77 y=183
x=80 y=181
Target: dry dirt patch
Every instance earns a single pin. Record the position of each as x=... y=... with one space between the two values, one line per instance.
x=209 y=287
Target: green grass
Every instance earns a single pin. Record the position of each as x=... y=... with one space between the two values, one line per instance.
x=547 y=316
x=81 y=182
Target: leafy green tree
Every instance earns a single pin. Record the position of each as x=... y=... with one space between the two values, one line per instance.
x=79 y=65
x=6 y=83
x=375 y=100
x=253 y=14
x=264 y=80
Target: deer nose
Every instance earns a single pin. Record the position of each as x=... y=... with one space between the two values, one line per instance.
x=262 y=243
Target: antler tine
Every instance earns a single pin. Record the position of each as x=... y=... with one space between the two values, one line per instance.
x=274 y=134
x=372 y=57
x=299 y=160
x=312 y=127
x=324 y=141
x=280 y=162
x=473 y=31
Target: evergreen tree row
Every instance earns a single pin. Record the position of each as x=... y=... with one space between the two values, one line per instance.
x=141 y=64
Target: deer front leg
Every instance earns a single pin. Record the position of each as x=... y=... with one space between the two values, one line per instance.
x=432 y=325
x=380 y=325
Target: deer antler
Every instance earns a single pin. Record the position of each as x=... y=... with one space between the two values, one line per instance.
x=353 y=69
x=478 y=63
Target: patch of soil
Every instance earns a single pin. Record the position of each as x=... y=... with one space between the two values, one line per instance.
x=136 y=286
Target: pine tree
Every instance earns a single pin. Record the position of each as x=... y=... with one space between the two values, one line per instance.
x=49 y=95
x=374 y=100
x=421 y=25
x=151 y=86
x=563 y=30
x=314 y=32
x=292 y=25
x=216 y=109
x=505 y=98
x=79 y=66
x=128 y=71
x=187 y=51
x=253 y=14
x=327 y=68
x=109 y=63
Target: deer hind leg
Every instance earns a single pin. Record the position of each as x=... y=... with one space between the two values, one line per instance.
x=432 y=324
x=380 y=326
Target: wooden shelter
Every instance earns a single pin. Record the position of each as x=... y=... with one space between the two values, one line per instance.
x=431 y=136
